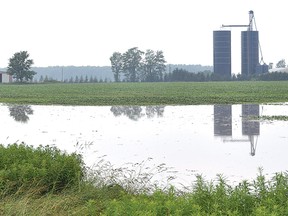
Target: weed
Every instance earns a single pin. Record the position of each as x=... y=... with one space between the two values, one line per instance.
x=23 y=167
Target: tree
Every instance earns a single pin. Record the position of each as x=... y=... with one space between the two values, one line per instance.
x=46 y=79
x=160 y=64
x=281 y=64
x=76 y=79
x=153 y=66
x=135 y=68
x=132 y=63
x=91 y=79
x=41 y=79
x=180 y=74
x=116 y=65
x=95 y=80
x=86 y=79
x=19 y=67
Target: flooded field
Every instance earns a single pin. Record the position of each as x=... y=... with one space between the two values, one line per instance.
x=204 y=139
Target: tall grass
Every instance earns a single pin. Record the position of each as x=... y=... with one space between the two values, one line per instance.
x=72 y=189
x=23 y=167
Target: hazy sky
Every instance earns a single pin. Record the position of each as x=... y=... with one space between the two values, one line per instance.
x=87 y=32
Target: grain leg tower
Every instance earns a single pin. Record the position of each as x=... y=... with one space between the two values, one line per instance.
x=249 y=50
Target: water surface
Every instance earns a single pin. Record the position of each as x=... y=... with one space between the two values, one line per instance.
x=204 y=139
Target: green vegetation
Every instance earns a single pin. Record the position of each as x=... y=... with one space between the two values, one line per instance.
x=51 y=170
x=180 y=93
x=137 y=65
x=44 y=181
x=273 y=118
x=269 y=118
x=181 y=75
x=20 y=67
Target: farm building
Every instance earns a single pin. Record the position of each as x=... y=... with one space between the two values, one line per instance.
x=5 y=77
x=282 y=70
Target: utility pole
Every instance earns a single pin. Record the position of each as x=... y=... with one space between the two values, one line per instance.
x=62 y=75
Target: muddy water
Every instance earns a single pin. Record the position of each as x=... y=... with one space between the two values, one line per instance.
x=204 y=139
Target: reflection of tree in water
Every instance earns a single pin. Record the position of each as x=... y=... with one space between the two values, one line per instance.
x=135 y=112
x=151 y=111
x=20 y=112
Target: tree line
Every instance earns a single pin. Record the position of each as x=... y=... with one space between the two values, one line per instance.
x=77 y=79
x=137 y=66
x=181 y=75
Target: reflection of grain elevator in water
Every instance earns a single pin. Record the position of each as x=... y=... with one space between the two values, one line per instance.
x=250 y=47
x=250 y=129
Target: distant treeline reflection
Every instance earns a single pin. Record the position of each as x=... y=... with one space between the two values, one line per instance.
x=137 y=112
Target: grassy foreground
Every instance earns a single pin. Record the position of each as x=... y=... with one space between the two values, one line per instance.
x=45 y=181
x=146 y=93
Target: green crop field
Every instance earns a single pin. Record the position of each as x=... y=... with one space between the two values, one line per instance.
x=146 y=93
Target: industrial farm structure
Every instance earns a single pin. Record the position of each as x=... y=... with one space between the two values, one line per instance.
x=250 y=47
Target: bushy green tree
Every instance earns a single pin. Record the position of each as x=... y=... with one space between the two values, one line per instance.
x=132 y=64
x=20 y=67
x=281 y=64
x=136 y=68
x=116 y=65
x=153 y=66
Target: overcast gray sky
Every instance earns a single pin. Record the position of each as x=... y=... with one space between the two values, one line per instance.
x=87 y=32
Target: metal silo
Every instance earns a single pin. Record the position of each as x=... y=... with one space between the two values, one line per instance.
x=222 y=53
x=222 y=120
x=249 y=52
x=250 y=127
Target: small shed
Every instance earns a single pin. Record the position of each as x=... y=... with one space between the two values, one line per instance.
x=5 y=77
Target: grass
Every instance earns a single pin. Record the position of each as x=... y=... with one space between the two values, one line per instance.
x=146 y=93
x=47 y=167
x=93 y=195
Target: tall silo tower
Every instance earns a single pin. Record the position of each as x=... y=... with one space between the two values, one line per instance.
x=222 y=120
x=250 y=127
x=249 y=48
x=222 y=53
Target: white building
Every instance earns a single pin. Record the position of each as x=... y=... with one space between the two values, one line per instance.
x=282 y=70
x=5 y=77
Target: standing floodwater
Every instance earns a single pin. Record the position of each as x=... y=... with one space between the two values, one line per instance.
x=204 y=139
